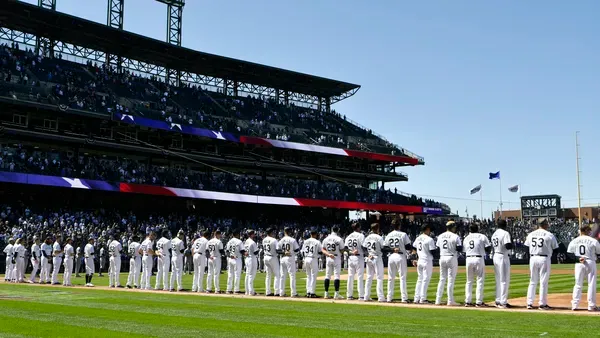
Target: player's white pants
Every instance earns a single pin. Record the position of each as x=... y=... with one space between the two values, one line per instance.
x=19 y=268
x=272 y=271
x=77 y=265
x=214 y=270
x=45 y=270
x=251 y=263
x=147 y=262
x=68 y=262
x=114 y=268
x=199 y=266
x=10 y=268
x=36 y=266
x=176 y=271
x=374 y=268
x=162 y=274
x=135 y=266
x=583 y=271
x=539 y=268
x=424 y=270
x=56 y=261
x=356 y=266
x=90 y=266
x=234 y=272
x=475 y=268
x=448 y=270
x=397 y=266
x=502 y=272
x=288 y=267
x=333 y=266
x=311 y=265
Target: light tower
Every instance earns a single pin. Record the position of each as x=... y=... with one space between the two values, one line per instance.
x=174 y=28
x=45 y=44
x=114 y=19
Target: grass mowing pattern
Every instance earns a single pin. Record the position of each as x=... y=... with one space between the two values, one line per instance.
x=51 y=312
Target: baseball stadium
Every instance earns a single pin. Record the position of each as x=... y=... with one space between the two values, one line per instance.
x=152 y=190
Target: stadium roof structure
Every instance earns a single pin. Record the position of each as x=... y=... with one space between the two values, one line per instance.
x=66 y=28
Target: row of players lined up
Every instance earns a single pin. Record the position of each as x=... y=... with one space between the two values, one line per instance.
x=280 y=262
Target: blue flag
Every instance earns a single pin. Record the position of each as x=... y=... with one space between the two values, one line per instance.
x=495 y=175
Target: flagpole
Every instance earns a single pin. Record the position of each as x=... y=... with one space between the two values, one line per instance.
x=578 y=184
x=520 y=205
x=481 y=204
x=500 y=180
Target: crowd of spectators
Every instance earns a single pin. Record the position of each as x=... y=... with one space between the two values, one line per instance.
x=19 y=158
x=101 y=88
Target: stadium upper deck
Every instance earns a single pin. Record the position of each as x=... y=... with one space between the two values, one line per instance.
x=211 y=82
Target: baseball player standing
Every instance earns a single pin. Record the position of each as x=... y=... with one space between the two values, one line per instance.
x=114 y=263
x=45 y=261
x=68 y=262
x=177 y=248
x=311 y=248
x=19 y=254
x=135 y=263
x=10 y=260
x=475 y=246
x=235 y=251
x=163 y=247
x=147 y=251
x=88 y=255
x=398 y=244
x=271 y=261
x=374 y=245
x=356 y=262
x=289 y=248
x=502 y=243
x=36 y=254
x=586 y=250
x=102 y=259
x=215 y=251
x=541 y=244
x=57 y=256
x=200 y=252
x=332 y=249
x=77 y=261
x=425 y=248
x=251 y=263
x=450 y=245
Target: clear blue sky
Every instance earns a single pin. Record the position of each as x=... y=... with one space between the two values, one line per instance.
x=473 y=86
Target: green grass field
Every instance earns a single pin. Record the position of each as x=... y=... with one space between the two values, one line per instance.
x=44 y=311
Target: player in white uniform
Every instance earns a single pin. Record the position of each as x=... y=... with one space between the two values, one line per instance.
x=10 y=260
x=200 y=254
x=311 y=249
x=332 y=249
x=163 y=247
x=45 y=261
x=88 y=256
x=424 y=246
x=398 y=243
x=586 y=250
x=271 y=261
x=68 y=262
x=502 y=243
x=235 y=251
x=135 y=263
x=114 y=263
x=101 y=259
x=57 y=256
x=36 y=254
x=374 y=245
x=541 y=244
x=215 y=251
x=450 y=245
x=177 y=249
x=147 y=249
x=19 y=254
x=475 y=247
x=251 y=262
x=77 y=261
x=356 y=262
x=289 y=248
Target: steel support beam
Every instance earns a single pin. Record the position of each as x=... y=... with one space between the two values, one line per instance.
x=114 y=19
x=174 y=30
x=45 y=45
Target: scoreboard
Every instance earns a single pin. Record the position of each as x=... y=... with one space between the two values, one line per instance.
x=541 y=206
